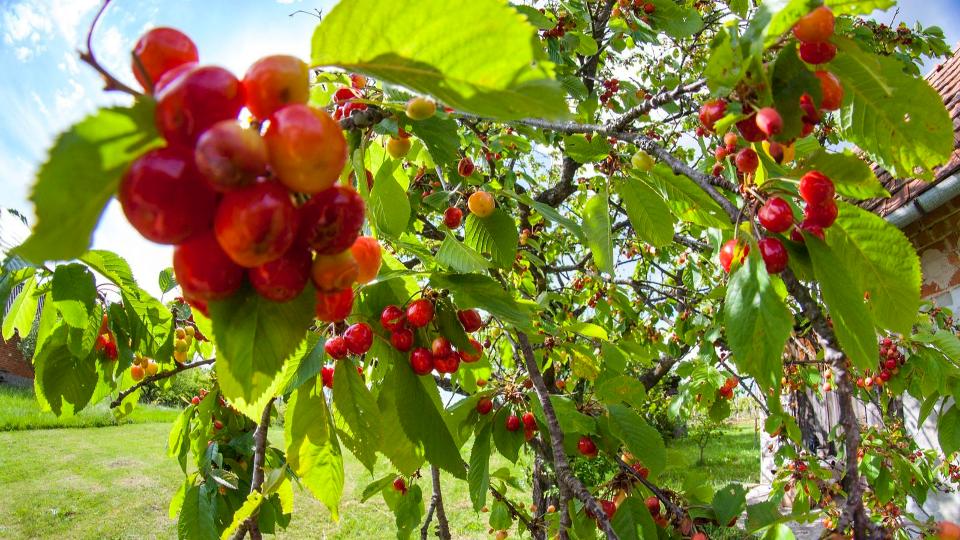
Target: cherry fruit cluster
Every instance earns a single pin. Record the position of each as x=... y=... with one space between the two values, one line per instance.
x=106 y=343
x=257 y=203
x=142 y=367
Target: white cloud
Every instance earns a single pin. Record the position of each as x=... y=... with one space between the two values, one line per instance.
x=25 y=22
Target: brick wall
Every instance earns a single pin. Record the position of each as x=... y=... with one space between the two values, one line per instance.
x=936 y=237
x=11 y=361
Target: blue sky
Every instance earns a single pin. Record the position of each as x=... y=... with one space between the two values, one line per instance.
x=46 y=88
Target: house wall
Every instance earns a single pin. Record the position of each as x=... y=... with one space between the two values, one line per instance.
x=14 y=368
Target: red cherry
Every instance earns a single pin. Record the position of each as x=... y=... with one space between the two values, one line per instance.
x=217 y=425
x=776 y=215
x=653 y=505
x=331 y=220
x=609 y=508
x=229 y=156
x=470 y=320
x=274 y=82
x=164 y=197
x=440 y=347
x=307 y=148
x=816 y=188
x=448 y=363
x=513 y=423
x=359 y=337
x=484 y=405
x=749 y=130
x=885 y=375
x=774 y=254
x=110 y=350
x=816 y=26
x=810 y=228
x=452 y=217
x=343 y=95
x=890 y=364
x=729 y=250
x=472 y=356
x=366 y=251
x=401 y=339
x=357 y=80
x=336 y=347
x=283 y=279
x=158 y=51
x=400 y=485
x=529 y=421
x=587 y=447
x=334 y=306
x=747 y=161
x=831 y=89
x=641 y=471
x=822 y=215
x=420 y=313
x=817 y=53
x=326 y=375
x=391 y=318
x=196 y=100
x=769 y=121
x=256 y=224
x=465 y=167
x=711 y=111
x=195 y=400
x=421 y=360
x=204 y=270
x=810 y=113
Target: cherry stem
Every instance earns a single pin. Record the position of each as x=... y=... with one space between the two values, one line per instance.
x=111 y=83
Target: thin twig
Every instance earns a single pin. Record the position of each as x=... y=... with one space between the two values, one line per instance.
x=259 y=454
x=161 y=375
x=87 y=56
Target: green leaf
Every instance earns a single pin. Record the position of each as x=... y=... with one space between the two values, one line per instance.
x=388 y=204
x=621 y=389
x=897 y=118
x=858 y=7
x=687 y=200
x=596 y=225
x=407 y=508
x=887 y=266
x=448 y=324
x=254 y=336
x=757 y=321
x=508 y=443
x=454 y=255
x=642 y=440
x=63 y=383
x=249 y=506
x=587 y=329
x=729 y=502
x=74 y=292
x=403 y=453
x=500 y=517
x=844 y=299
x=81 y=175
x=633 y=521
x=725 y=67
x=851 y=175
x=22 y=312
x=791 y=78
x=676 y=20
x=493 y=66
x=648 y=213
x=178 y=442
x=948 y=430
x=495 y=235
x=359 y=409
x=198 y=515
x=583 y=151
x=478 y=476
x=312 y=450
x=423 y=422
x=478 y=291
x=440 y=137
x=167 y=280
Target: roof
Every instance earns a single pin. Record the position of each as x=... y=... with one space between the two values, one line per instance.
x=945 y=79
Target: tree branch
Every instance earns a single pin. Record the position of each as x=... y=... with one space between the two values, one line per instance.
x=256 y=481
x=654 y=103
x=161 y=375
x=560 y=463
x=532 y=527
x=443 y=528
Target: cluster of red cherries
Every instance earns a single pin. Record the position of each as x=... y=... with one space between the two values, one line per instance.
x=257 y=203
x=640 y=9
x=891 y=360
x=610 y=88
x=106 y=343
x=726 y=391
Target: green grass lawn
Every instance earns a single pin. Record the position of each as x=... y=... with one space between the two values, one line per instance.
x=115 y=482
x=19 y=410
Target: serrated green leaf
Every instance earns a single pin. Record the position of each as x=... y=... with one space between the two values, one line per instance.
x=898 y=119
x=440 y=137
x=587 y=329
x=621 y=388
x=508 y=443
x=22 y=312
x=406 y=456
x=312 y=450
x=844 y=299
x=166 y=280
x=642 y=440
x=648 y=213
x=852 y=176
x=729 y=502
x=725 y=67
x=454 y=255
x=491 y=67
x=887 y=265
x=254 y=336
x=791 y=78
x=249 y=506
x=198 y=515
x=582 y=150
x=495 y=235
x=478 y=291
x=500 y=516
x=948 y=430
x=179 y=438
x=596 y=225
x=686 y=199
x=356 y=404
x=633 y=521
x=388 y=204
x=81 y=176
x=858 y=7
x=757 y=321
x=74 y=292
x=478 y=476
x=63 y=383
x=676 y=20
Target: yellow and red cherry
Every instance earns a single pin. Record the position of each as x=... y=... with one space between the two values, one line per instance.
x=256 y=224
x=230 y=157
x=331 y=220
x=307 y=148
x=158 y=51
x=194 y=101
x=274 y=82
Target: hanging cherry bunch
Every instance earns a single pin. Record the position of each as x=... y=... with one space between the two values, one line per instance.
x=256 y=204
x=142 y=367
x=106 y=343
